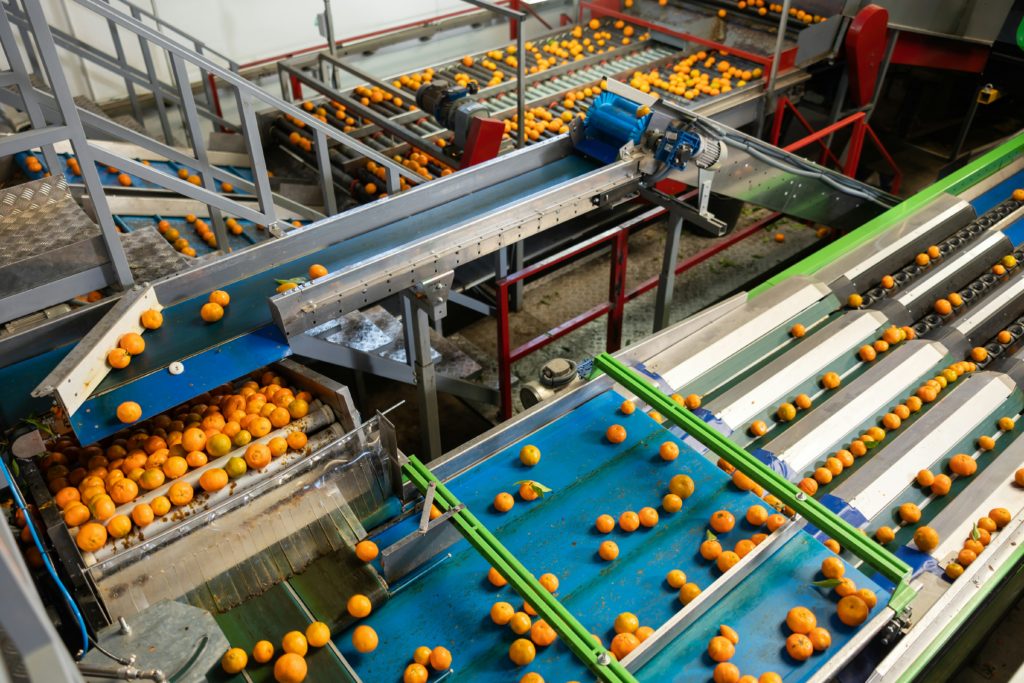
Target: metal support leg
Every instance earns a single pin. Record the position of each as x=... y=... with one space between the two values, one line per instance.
x=520 y=86
x=518 y=262
x=769 y=99
x=667 y=279
x=416 y=328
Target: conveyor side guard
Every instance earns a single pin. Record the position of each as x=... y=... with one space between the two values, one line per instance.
x=890 y=566
x=572 y=632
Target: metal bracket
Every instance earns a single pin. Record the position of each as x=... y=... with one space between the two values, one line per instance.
x=431 y=295
x=426 y=524
x=616 y=195
x=690 y=214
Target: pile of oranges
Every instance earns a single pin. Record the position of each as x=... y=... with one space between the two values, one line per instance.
x=33 y=164
x=688 y=81
x=423 y=660
x=761 y=8
x=95 y=486
x=414 y=81
x=722 y=648
x=178 y=241
x=291 y=666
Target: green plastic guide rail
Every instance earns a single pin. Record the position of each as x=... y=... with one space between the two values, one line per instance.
x=890 y=566
x=573 y=634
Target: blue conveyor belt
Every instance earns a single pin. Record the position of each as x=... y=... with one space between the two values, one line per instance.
x=448 y=604
x=998 y=193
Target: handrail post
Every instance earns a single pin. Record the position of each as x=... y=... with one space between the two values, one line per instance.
x=323 y=160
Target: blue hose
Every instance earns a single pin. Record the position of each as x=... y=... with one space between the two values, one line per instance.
x=20 y=502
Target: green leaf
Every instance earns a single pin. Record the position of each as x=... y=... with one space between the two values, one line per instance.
x=827 y=583
x=294 y=281
x=538 y=488
x=40 y=425
x=975 y=534
x=710 y=536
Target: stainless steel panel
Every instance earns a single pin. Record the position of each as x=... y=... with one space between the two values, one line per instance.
x=769 y=384
x=855 y=404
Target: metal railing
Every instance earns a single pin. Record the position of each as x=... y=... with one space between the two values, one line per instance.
x=38 y=38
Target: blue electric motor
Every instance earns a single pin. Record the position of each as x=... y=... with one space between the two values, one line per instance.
x=611 y=122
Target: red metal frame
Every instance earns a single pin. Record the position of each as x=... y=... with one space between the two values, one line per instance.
x=860 y=128
x=786 y=60
x=618 y=295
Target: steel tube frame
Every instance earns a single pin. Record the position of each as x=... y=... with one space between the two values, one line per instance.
x=416 y=331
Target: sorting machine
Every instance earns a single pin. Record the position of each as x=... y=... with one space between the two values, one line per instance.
x=276 y=550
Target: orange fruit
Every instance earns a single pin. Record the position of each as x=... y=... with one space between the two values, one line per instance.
x=671 y=503
x=211 y=312
x=219 y=297
x=808 y=486
x=118 y=358
x=366 y=550
x=629 y=521
x=520 y=623
x=119 y=526
x=909 y=513
x=675 y=579
x=643 y=633
x=966 y=557
x=132 y=343
x=722 y=521
x=623 y=644
x=193 y=439
x=279 y=417
x=608 y=550
x=1001 y=516
x=833 y=545
x=668 y=451
x=770 y=677
x=502 y=613
x=298 y=408
x=727 y=560
x=359 y=606
x=123 y=491
x=213 y=479
x=218 y=445
x=615 y=434
x=926 y=539
x=161 y=505
x=954 y=570
x=91 y=537
x=800 y=620
x=549 y=581
x=257 y=456
x=925 y=478
x=142 y=515
x=278 y=446
x=604 y=524
x=866 y=353
x=1005 y=424
x=822 y=475
x=758 y=428
x=832 y=568
x=316 y=270
x=798 y=330
x=775 y=521
x=692 y=401
x=831 y=380
x=151 y=319
x=721 y=649
x=291 y=668
x=986 y=443
x=262 y=651
x=988 y=524
x=521 y=652
x=729 y=634
x=648 y=517
x=681 y=485
x=710 y=549
x=963 y=465
x=855 y=301
x=318 y=634
x=541 y=634
x=786 y=412
x=66 y=496
x=152 y=479
x=626 y=622
x=845 y=587
x=129 y=412
x=175 y=466
x=234 y=660
x=297 y=440
x=868 y=596
x=743 y=547
x=627 y=408
x=852 y=610
x=726 y=672
x=688 y=593
x=799 y=646
x=180 y=493
x=1018 y=477
x=803 y=401
x=529 y=455
x=441 y=659
x=941 y=485
x=295 y=642
x=820 y=638
x=496 y=578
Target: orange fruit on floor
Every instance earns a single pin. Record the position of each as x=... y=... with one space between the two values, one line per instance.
x=262 y=652
x=722 y=521
x=151 y=319
x=521 y=652
x=180 y=493
x=820 y=638
x=926 y=539
x=623 y=644
x=799 y=646
x=800 y=620
x=608 y=550
x=615 y=434
x=295 y=642
x=211 y=312
x=91 y=537
x=852 y=610
x=129 y=412
x=132 y=343
x=502 y=613
x=118 y=358
x=234 y=660
x=291 y=668
x=213 y=479
x=359 y=606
